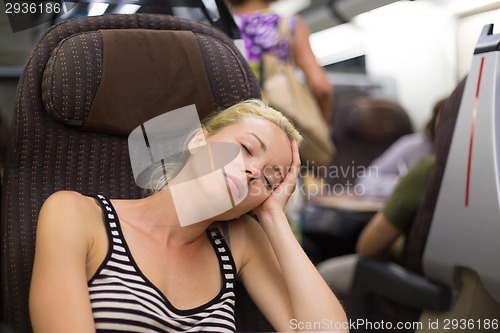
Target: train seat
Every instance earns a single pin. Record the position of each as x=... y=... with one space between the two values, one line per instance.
x=462 y=246
x=88 y=83
x=451 y=276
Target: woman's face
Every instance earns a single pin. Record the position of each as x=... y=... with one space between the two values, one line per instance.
x=265 y=157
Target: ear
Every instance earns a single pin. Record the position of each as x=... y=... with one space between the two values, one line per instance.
x=198 y=140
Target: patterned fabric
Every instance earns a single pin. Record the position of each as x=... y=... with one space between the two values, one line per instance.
x=261 y=34
x=47 y=156
x=124 y=300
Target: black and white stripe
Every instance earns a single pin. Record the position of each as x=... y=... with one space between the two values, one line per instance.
x=124 y=300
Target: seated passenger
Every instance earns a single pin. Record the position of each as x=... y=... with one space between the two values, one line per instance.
x=398 y=158
x=114 y=265
x=380 y=236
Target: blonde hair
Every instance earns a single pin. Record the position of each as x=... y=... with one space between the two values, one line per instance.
x=252 y=108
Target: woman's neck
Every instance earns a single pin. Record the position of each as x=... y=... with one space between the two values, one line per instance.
x=156 y=215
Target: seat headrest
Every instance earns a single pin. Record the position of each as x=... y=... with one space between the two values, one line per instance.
x=376 y=120
x=111 y=81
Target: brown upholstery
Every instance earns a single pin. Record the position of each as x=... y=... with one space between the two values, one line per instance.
x=121 y=103
x=131 y=93
x=65 y=85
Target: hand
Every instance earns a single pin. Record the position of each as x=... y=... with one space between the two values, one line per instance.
x=278 y=199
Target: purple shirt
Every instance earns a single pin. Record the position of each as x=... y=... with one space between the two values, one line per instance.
x=261 y=34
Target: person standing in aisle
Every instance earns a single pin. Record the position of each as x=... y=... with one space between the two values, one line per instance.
x=261 y=27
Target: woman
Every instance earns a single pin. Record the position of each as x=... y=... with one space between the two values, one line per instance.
x=261 y=32
x=144 y=272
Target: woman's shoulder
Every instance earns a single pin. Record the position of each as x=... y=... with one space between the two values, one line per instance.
x=68 y=200
x=66 y=195
x=244 y=226
x=244 y=232
x=69 y=226
x=71 y=209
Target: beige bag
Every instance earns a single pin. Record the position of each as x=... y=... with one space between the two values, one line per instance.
x=282 y=90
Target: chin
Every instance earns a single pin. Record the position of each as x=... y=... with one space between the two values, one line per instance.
x=233 y=214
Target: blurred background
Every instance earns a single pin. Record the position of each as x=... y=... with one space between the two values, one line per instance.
x=411 y=51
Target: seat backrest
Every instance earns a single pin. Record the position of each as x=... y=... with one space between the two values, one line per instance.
x=87 y=84
x=417 y=238
x=363 y=128
x=385 y=290
x=454 y=236
x=466 y=221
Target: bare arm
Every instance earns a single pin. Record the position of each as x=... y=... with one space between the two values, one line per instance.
x=399 y=212
x=59 y=298
x=261 y=274
x=311 y=300
x=278 y=274
x=377 y=237
x=305 y=59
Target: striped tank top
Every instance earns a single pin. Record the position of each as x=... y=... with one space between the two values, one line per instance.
x=124 y=300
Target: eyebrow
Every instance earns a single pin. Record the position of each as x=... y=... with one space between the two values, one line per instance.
x=262 y=144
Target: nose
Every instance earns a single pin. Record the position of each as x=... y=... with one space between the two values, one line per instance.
x=252 y=171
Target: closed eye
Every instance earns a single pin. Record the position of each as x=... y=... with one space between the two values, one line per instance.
x=246 y=149
x=267 y=184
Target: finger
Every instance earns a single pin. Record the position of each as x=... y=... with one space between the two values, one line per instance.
x=289 y=183
x=295 y=153
x=290 y=179
x=294 y=168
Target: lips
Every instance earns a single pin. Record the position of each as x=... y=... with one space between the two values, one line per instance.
x=235 y=186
